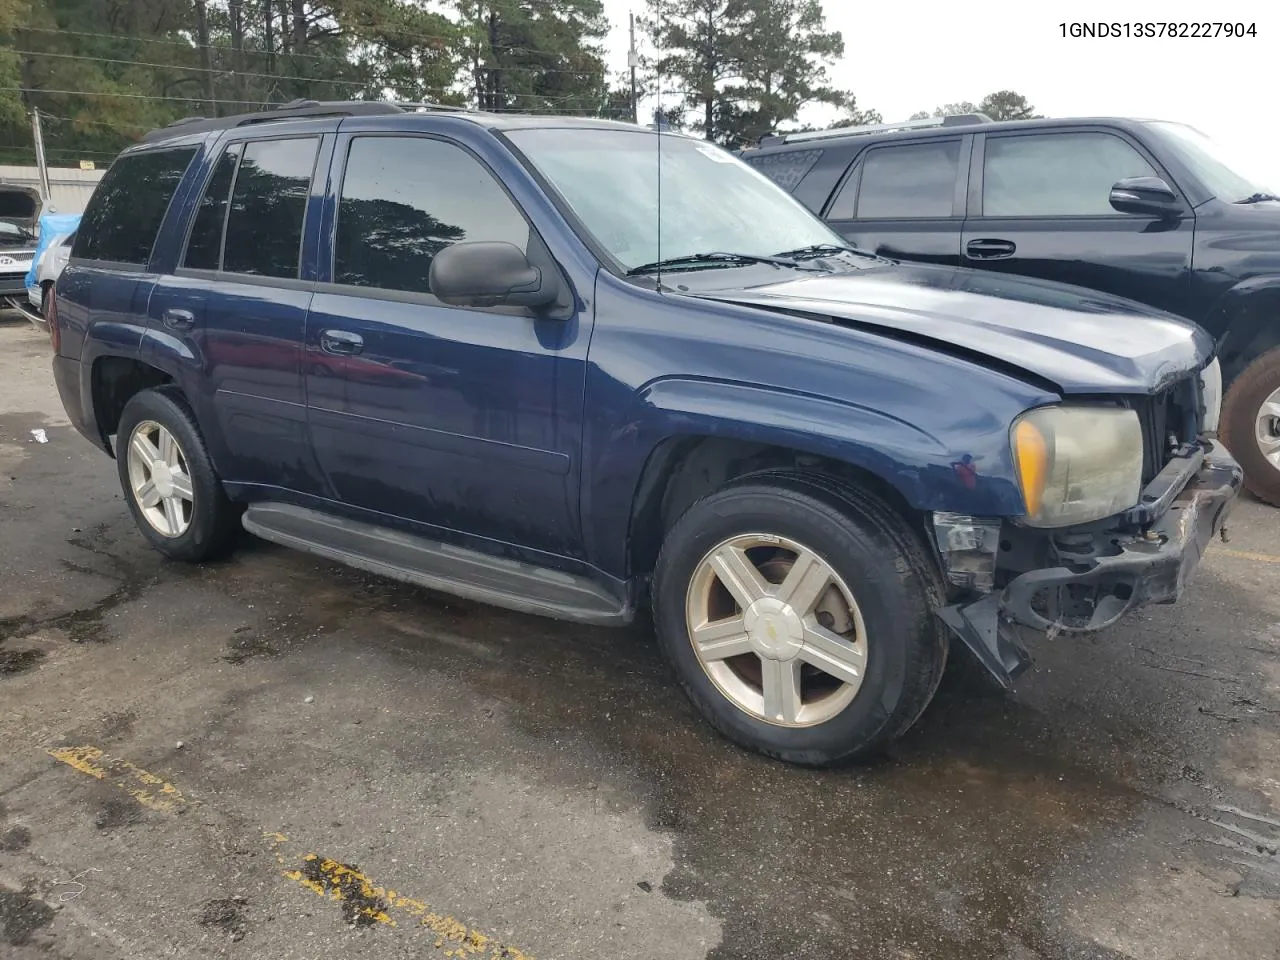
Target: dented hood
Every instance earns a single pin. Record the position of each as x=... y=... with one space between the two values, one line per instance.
x=1080 y=340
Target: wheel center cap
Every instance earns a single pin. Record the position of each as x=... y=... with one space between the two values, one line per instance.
x=162 y=477
x=775 y=630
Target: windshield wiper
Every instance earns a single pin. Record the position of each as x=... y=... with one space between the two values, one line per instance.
x=826 y=249
x=728 y=259
x=1258 y=198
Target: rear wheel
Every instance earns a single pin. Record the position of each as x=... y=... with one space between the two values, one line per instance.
x=1251 y=426
x=799 y=618
x=176 y=498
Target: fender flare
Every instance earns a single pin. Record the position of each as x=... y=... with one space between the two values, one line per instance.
x=905 y=456
x=1249 y=315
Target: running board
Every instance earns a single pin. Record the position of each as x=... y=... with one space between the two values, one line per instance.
x=438 y=566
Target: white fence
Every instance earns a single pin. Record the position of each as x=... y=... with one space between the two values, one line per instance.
x=69 y=187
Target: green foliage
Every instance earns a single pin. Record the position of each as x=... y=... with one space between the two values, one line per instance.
x=738 y=69
x=1001 y=105
x=103 y=72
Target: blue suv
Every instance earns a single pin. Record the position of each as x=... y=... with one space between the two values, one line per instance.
x=581 y=369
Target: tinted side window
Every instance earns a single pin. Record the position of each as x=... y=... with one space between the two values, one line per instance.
x=911 y=181
x=204 y=247
x=123 y=216
x=786 y=169
x=1056 y=174
x=404 y=199
x=268 y=203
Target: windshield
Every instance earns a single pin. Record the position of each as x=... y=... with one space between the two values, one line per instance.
x=711 y=202
x=1209 y=162
x=10 y=230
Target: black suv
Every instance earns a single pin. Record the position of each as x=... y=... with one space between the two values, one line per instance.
x=1147 y=210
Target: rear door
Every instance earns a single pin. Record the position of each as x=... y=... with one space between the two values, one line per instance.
x=905 y=199
x=1039 y=205
x=237 y=301
x=109 y=276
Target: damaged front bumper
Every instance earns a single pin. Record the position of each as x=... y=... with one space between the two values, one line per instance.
x=1096 y=575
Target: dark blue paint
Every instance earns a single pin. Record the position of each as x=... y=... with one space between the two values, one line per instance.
x=528 y=437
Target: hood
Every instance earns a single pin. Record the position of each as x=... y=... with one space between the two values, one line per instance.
x=1079 y=340
x=20 y=205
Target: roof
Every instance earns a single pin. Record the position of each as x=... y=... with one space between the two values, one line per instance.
x=942 y=127
x=304 y=109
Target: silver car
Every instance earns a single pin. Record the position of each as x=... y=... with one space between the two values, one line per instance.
x=52 y=259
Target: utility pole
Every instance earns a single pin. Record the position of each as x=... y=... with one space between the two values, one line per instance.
x=38 y=136
x=633 y=61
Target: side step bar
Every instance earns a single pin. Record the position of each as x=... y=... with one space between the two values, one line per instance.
x=438 y=566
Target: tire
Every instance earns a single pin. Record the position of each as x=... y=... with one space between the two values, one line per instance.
x=45 y=291
x=207 y=524
x=1241 y=410
x=876 y=561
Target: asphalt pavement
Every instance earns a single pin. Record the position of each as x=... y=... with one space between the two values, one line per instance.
x=275 y=757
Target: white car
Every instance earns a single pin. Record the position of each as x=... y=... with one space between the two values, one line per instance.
x=52 y=259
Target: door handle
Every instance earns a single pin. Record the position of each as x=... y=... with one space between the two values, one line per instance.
x=990 y=249
x=176 y=319
x=341 y=342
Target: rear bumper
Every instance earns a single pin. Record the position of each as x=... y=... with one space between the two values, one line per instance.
x=68 y=375
x=1101 y=575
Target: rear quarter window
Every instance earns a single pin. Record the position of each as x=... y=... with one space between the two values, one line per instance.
x=786 y=169
x=123 y=216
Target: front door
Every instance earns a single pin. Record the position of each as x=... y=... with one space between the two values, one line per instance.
x=1039 y=205
x=464 y=419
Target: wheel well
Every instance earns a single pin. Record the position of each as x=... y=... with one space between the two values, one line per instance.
x=1253 y=329
x=682 y=470
x=115 y=381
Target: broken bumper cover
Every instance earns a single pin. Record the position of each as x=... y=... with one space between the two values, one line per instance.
x=1103 y=576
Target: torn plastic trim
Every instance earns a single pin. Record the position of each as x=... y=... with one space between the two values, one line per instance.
x=968 y=547
x=1115 y=573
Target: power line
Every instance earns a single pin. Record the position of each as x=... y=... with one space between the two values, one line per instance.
x=190 y=46
x=199 y=99
x=179 y=66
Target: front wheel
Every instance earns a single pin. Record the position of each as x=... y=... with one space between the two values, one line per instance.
x=799 y=618
x=1251 y=426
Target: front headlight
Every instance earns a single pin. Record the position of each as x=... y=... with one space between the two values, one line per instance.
x=1077 y=464
x=1211 y=392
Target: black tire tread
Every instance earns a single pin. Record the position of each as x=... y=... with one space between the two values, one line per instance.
x=927 y=662
x=223 y=527
x=1239 y=410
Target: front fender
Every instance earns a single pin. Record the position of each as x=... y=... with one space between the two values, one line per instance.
x=1248 y=316
x=971 y=472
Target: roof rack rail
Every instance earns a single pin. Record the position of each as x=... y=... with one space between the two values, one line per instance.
x=950 y=120
x=412 y=105
x=276 y=112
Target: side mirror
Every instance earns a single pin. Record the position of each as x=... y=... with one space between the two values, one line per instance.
x=1144 y=195
x=482 y=273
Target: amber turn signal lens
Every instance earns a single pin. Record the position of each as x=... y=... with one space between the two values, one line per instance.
x=1032 y=455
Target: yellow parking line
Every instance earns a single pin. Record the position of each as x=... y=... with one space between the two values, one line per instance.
x=366 y=903
x=151 y=791
x=1246 y=555
x=363 y=902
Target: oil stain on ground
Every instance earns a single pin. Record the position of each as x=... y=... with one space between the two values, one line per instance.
x=21 y=915
x=245 y=646
x=226 y=913
x=15 y=839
